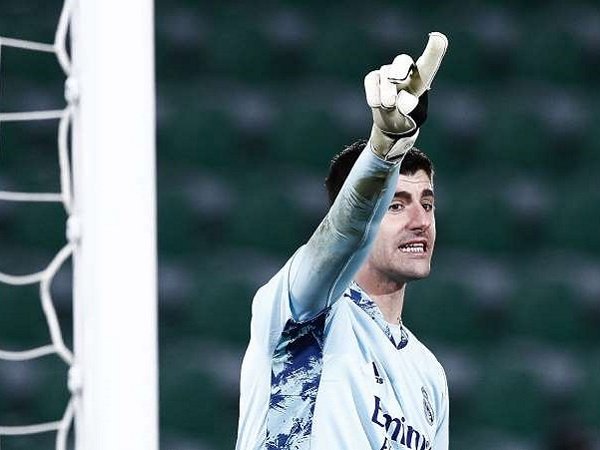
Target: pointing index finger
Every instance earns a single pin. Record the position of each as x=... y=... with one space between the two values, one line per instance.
x=428 y=63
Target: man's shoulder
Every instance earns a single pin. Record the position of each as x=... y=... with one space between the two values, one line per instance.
x=425 y=353
x=278 y=284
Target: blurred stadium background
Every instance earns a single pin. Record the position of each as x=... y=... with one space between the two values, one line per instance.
x=253 y=100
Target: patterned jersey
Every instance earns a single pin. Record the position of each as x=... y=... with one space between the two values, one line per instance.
x=323 y=369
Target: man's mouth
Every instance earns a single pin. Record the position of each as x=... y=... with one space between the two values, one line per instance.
x=414 y=247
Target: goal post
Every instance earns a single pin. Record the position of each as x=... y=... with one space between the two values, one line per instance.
x=114 y=221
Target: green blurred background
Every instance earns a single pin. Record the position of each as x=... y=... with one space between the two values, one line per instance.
x=253 y=100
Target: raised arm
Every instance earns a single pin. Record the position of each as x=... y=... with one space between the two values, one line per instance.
x=397 y=95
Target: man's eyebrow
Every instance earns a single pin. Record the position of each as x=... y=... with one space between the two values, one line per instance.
x=405 y=195
x=427 y=193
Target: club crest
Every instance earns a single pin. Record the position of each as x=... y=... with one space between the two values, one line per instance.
x=427 y=407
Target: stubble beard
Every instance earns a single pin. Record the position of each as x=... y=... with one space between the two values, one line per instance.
x=409 y=269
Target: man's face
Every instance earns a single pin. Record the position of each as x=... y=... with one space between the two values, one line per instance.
x=404 y=244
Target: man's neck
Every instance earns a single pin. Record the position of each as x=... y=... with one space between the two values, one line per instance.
x=388 y=295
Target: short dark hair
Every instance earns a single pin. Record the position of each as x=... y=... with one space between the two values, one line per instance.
x=342 y=163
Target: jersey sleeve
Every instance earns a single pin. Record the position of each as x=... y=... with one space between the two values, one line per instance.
x=271 y=311
x=440 y=442
x=322 y=269
x=319 y=272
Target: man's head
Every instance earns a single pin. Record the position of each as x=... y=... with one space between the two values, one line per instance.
x=404 y=243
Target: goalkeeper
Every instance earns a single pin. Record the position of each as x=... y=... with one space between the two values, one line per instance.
x=330 y=365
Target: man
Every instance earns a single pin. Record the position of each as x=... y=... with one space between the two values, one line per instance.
x=330 y=366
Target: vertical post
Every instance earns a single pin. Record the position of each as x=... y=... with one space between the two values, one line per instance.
x=114 y=193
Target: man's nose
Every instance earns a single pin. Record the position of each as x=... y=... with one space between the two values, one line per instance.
x=419 y=218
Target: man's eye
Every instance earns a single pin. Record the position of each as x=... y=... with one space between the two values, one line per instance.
x=428 y=206
x=396 y=207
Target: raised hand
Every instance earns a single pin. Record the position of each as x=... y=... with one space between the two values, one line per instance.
x=397 y=95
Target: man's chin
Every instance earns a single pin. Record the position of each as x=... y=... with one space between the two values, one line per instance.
x=414 y=273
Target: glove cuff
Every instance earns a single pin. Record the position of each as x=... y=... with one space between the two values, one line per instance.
x=391 y=147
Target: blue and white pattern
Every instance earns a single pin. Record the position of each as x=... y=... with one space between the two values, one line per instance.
x=296 y=372
x=368 y=306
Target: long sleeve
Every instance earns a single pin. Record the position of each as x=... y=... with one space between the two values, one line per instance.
x=441 y=439
x=323 y=268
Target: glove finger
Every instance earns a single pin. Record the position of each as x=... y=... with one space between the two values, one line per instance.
x=392 y=122
x=406 y=102
x=372 y=89
x=428 y=63
x=387 y=89
x=400 y=70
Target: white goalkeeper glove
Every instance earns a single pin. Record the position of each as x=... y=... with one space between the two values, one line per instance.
x=397 y=95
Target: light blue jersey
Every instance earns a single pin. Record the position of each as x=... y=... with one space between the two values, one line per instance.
x=323 y=369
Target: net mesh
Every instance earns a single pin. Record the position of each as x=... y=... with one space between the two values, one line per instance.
x=44 y=278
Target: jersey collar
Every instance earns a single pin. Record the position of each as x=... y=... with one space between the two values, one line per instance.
x=362 y=300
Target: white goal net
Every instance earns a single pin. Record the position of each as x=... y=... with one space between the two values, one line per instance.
x=44 y=278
